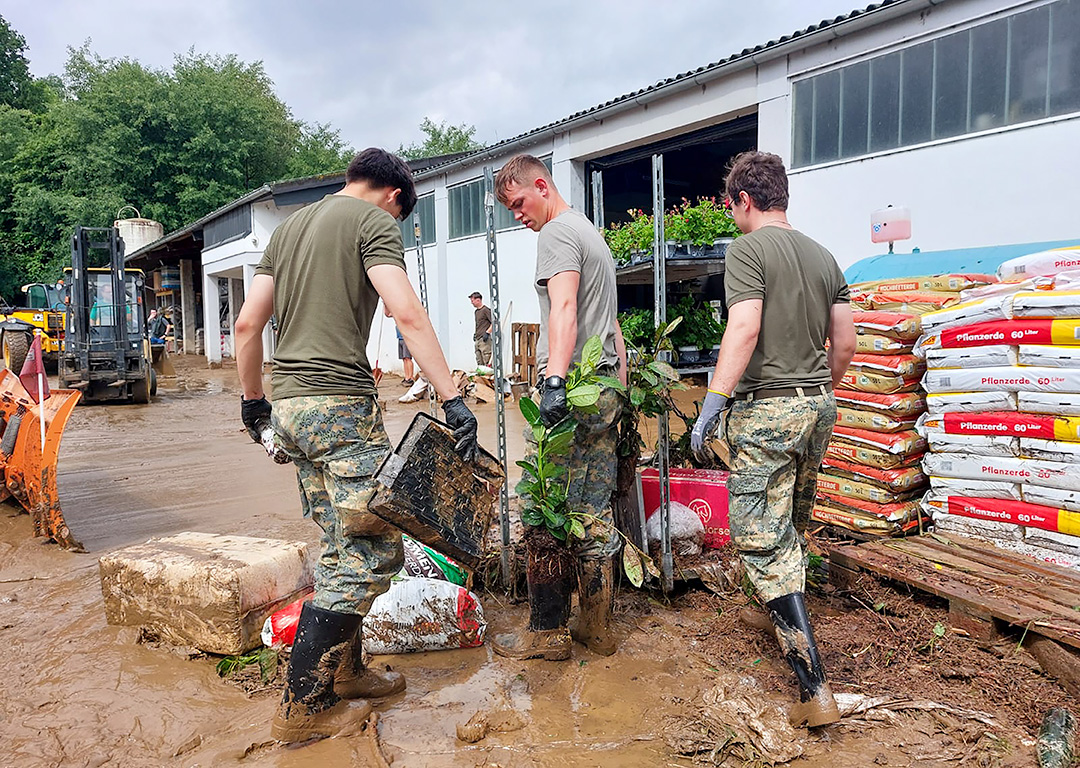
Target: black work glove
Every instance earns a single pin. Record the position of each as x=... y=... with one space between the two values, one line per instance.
x=462 y=421
x=253 y=413
x=553 y=407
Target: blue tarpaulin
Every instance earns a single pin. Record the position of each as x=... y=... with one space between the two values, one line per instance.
x=889 y=266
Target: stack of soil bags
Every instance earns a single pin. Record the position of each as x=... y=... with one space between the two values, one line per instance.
x=871 y=480
x=1003 y=421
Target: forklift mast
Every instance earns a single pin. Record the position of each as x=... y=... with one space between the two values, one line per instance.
x=80 y=342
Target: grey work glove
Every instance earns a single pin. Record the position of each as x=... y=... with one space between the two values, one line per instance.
x=462 y=421
x=712 y=410
x=553 y=407
x=255 y=415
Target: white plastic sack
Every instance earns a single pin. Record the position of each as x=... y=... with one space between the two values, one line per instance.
x=989 y=531
x=972 y=357
x=1050 y=450
x=982 y=489
x=416 y=391
x=1055 y=541
x=1046 y=304
x=1040 y=263
x=687 y=530
x=976 y=445
x=970 y=402
x=996 y=307
x=1048 y=356
x=1051 y=403
x=1052 y=474
x=423 y=615
x=1002 y=378
x=1051 y=497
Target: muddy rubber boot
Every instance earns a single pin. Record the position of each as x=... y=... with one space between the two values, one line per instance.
x=751 y=616
x=817 y=707
x=546 y=637
x=354 y=680
x=596 y=598
x=310 y=709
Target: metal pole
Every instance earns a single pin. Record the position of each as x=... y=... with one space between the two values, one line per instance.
x=421 y=271
x=598 y=199
x=667 y=564
x=497 y=365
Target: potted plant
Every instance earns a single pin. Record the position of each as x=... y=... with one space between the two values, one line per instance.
x=637 y=328
x=703 y=228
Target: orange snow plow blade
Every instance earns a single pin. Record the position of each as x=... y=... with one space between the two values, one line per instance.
x=29 y=470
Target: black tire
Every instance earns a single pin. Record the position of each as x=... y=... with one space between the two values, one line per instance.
x=153 y=382
x=140 y=391
x=16 y=345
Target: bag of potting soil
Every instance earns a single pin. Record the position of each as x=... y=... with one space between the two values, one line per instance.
x=968 y=312
x=1052 y=474
x=971 y=402
x=424 y=562
x=1048 y=356
x=898 y=404
x=1005 y=423
x=897 y=325
x=1046 y=304
x=1056 y=403
x=985 y=489
x=976 y=445
x=845 y=487
x=878 y=383
x=1025 y=330
x=909 y=302
x=871 y=420
x=844 y=450
x=1051 y=497
x=1050 y=450
x=897 y=443
x=892 y=365
x=1008 y=379
x=971 y=357
x=854 y=520
x=1041 y=263
x=873 y=344
x=901 y=479
x=1007 y=511
x=897 y=512
x=953 y=283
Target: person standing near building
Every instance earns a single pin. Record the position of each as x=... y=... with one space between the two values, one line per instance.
x=772 y=390
x=405 y=356
x=322 y=274
x=482 y=332
x=575 y=284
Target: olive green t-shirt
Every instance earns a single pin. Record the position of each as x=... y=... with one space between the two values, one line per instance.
x=323 y=299
x=798 y=282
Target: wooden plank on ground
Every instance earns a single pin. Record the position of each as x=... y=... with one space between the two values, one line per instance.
x=1010 y=604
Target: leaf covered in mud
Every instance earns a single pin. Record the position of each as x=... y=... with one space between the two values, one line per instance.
x=631 y=563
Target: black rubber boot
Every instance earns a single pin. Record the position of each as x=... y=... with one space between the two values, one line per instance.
x=550 y=578
x=788 y=614
x=596 y=600
x=310 y=709
x=356 y=680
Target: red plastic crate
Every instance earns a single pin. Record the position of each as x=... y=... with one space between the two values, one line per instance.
x=703 y=490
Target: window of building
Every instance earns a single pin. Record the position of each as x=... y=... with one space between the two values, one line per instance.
x=1005 y=72
x=425 y=206
x=467 y=215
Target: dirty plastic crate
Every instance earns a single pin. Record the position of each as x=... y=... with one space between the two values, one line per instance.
x=428 y=491
x=205 y=590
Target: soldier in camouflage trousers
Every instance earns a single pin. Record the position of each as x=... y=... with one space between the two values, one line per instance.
x=789 y=339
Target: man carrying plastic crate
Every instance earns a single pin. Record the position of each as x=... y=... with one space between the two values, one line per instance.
x=322 y=275
x=575 y=283
x=772 y=390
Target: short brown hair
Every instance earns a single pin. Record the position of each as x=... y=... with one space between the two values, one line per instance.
x=762 y=177
x=380 y=169
x=521 y=170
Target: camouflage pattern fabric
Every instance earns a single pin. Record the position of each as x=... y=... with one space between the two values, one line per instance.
x=337 y=442
x=777 y=445
x=592 y=466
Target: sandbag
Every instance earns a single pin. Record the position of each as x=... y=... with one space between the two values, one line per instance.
x=1048 y=356
x=841 y=449
x=1046 y=304
x=970 y=402
x=1004 y=423
x=896 y=404
x=900 y=479
x=897 y=443
x=976 y=445
x=873 y=421
x=878 y=383
x=968 y=312
x=1056 y=403
x=897 y=325
x=984 y=489
x=1002 y=378
x=1052 y=474
x=845 y=487
x=893 y=365
x=1048 y=262
x=1050 y=450
x=873 y=344
x=972 y=357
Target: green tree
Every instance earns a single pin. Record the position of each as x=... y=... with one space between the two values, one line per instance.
x=442 y=139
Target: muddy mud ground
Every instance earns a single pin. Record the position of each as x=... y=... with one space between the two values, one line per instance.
x=77 y=692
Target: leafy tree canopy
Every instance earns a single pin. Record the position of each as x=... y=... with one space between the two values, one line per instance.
x=176 y=143
x=442 y=139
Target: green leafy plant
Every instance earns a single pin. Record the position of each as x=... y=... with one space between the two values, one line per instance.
x=699 y=328
x=266 y=658
x=637 y=326
x=633 y=235
x=700 y=223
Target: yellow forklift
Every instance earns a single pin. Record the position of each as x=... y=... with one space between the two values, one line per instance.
x=42 y=307
x=106 y=353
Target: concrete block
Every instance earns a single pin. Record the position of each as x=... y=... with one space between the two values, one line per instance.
x=206 y=590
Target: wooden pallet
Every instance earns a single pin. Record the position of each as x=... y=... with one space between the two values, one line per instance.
x=981 y=582
x=525 y=336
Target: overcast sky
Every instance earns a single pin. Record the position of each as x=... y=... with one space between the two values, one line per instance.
x=374 y=70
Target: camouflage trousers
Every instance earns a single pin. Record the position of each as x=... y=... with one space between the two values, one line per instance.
x=337 y=442
x=592 y=467
x=777 y=445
